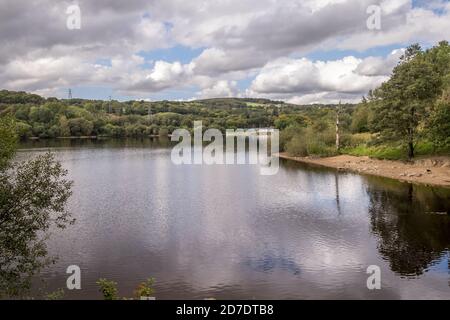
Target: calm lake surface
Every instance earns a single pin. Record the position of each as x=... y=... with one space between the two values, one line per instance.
x=227 y=232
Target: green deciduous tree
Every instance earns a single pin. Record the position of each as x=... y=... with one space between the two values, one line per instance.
x=64 y=128
x=80 y=127
x=403 y=102
x=439 y=122
x=8 y=141
x=33 y=195
x=360 y=118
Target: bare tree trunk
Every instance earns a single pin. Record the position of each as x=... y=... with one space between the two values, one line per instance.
x=410 y=150
x=338 y=144
x=411 y=147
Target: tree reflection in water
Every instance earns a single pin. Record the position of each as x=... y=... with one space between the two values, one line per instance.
x=412 y=224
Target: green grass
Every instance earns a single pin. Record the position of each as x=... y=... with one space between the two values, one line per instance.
x=387 y=152
x=379 y=152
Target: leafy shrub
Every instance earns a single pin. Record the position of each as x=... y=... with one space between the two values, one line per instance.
x=287 y=135
x=55 y=295
x=8 y=140
x=23 y=130
x=306 y=142
x=319 y=148
x=359 y=138
x=145 y=289
x=297 y=147
x=108 y=289
x=111 y=130
x=80 y=127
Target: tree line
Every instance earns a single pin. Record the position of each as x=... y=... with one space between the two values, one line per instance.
x=50 y=118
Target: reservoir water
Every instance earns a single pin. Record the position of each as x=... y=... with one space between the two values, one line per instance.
x=228 y=232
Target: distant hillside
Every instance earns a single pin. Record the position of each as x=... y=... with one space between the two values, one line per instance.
x=21 y=97
x=51 y=117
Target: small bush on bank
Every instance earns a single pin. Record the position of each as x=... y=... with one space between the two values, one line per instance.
x=308 y=142
x=297 y=147
x=145 y=289
x=108 y=289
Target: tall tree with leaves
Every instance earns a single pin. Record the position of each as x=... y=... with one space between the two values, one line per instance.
x=33 y=196
x=8 y=140
x=403 y=102
x=438 y=124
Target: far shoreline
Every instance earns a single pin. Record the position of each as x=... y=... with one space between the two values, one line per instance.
x=432 y=171
x=92 y=137
x=427 y=171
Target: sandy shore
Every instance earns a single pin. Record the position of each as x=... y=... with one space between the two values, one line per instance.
x=430 y=171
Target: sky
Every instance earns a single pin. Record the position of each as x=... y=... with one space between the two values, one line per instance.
x=298 y=51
